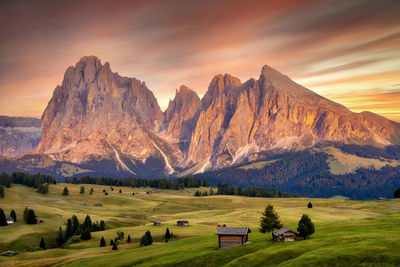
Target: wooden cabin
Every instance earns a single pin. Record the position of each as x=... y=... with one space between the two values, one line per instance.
x=231 y=236
x=8 y=253
x=285 y=234
x=182 y=223
x=157 y=223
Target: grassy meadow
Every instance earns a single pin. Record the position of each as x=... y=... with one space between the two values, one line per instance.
x=348 y=232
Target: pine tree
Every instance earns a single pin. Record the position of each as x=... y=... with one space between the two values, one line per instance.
x=144 y=241
x=75 y=225
x=65 y=192
x=60 y=238
x=3 y=219
x=197 y=193
x=102 y=242
x=31 y=217
x=82 y=190
x=309 y=205
x=205 y=183
x=91 y=191
x=88 y=223
x=305 y=227
x=1 y=191
x=128 y=240
x=167 y=235
x=115 y=247
x=396 y=193
x=269 y=220
x=69 y=230
x=85 y=235
x=42 y=244
x=102 y=225
x=149 y=238
x=26 y=213
x=13 y=215
x=111 y=242
x=120 y=191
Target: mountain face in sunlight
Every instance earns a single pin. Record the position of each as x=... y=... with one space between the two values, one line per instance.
x=106 y=123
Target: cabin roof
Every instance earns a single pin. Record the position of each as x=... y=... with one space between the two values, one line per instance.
x=283 y=230
x=9 y=218
x=232 y=230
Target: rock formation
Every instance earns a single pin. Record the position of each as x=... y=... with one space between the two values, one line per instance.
x=98 y=119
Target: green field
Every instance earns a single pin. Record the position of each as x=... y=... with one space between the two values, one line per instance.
x=348 y=232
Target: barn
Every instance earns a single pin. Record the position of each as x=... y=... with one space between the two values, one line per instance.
x=182 y=223
x=231 y=236
x=285 y=234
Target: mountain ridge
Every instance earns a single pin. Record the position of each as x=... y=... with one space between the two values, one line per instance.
x=98 y=115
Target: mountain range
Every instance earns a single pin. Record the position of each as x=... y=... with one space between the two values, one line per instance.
x=100 y=123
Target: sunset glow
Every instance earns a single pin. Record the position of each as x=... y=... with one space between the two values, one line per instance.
x=348 y=51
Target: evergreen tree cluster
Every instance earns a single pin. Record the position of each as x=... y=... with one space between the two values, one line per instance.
x=1 y=191
x=396 y=193
x=147 y=239
x=74 y=228
x=29 y=216
x=43 y=188
x=226 y=189
x=176 y=184
x=30 y=180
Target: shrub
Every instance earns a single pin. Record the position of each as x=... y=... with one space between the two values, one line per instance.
x=102 y=242
x=65 y=192
x=309 y=205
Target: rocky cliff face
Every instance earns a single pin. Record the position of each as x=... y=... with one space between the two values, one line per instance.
x=97 y=116
x=181 y=116
x=238 y=120
x=18 y=135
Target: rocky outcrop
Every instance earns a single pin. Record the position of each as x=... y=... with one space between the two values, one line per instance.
x=96 y=114
x=18 y=135
x=181 y=116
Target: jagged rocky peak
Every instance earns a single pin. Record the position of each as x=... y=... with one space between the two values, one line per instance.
x=181 y=115
x=95 y=111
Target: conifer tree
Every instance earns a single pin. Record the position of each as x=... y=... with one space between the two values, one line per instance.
x=102 y=242
x=60 y=238
x=85 y=235
x=309 y=205
x=120 y=191
x=102 y=225
x=13 y=215
x=147 y=239
x=269 y=220
x=42 y=244
x=87 y=223
x=111 y=242
x=69 y=230
x=115 y=247
x=3 y=219
x=26 y=213
x=144 y=241
x=65 y=192
x=167 y=235
x=31 y=217
x=75 y=225
x=128 y=240
x=1 y=191
x=305 y=226
x=91 y=191
x=82 y=190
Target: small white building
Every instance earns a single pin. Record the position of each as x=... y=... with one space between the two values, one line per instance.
x=10 y=220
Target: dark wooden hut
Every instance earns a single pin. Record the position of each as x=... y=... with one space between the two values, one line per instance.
x=231 y=236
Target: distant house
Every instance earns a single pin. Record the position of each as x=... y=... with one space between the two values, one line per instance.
x=8 y=253
x=149 y=192
x=39 y=221
x=231 y=236
x=157 y=223
x=382 y=199
x=182 y=223
x=83 y=204
x=98 y=204
x=10 y=220
x=285 y=234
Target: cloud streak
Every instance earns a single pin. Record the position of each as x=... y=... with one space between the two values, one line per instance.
x=332 y=47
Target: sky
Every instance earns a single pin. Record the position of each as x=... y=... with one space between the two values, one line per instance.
x=347 y=51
